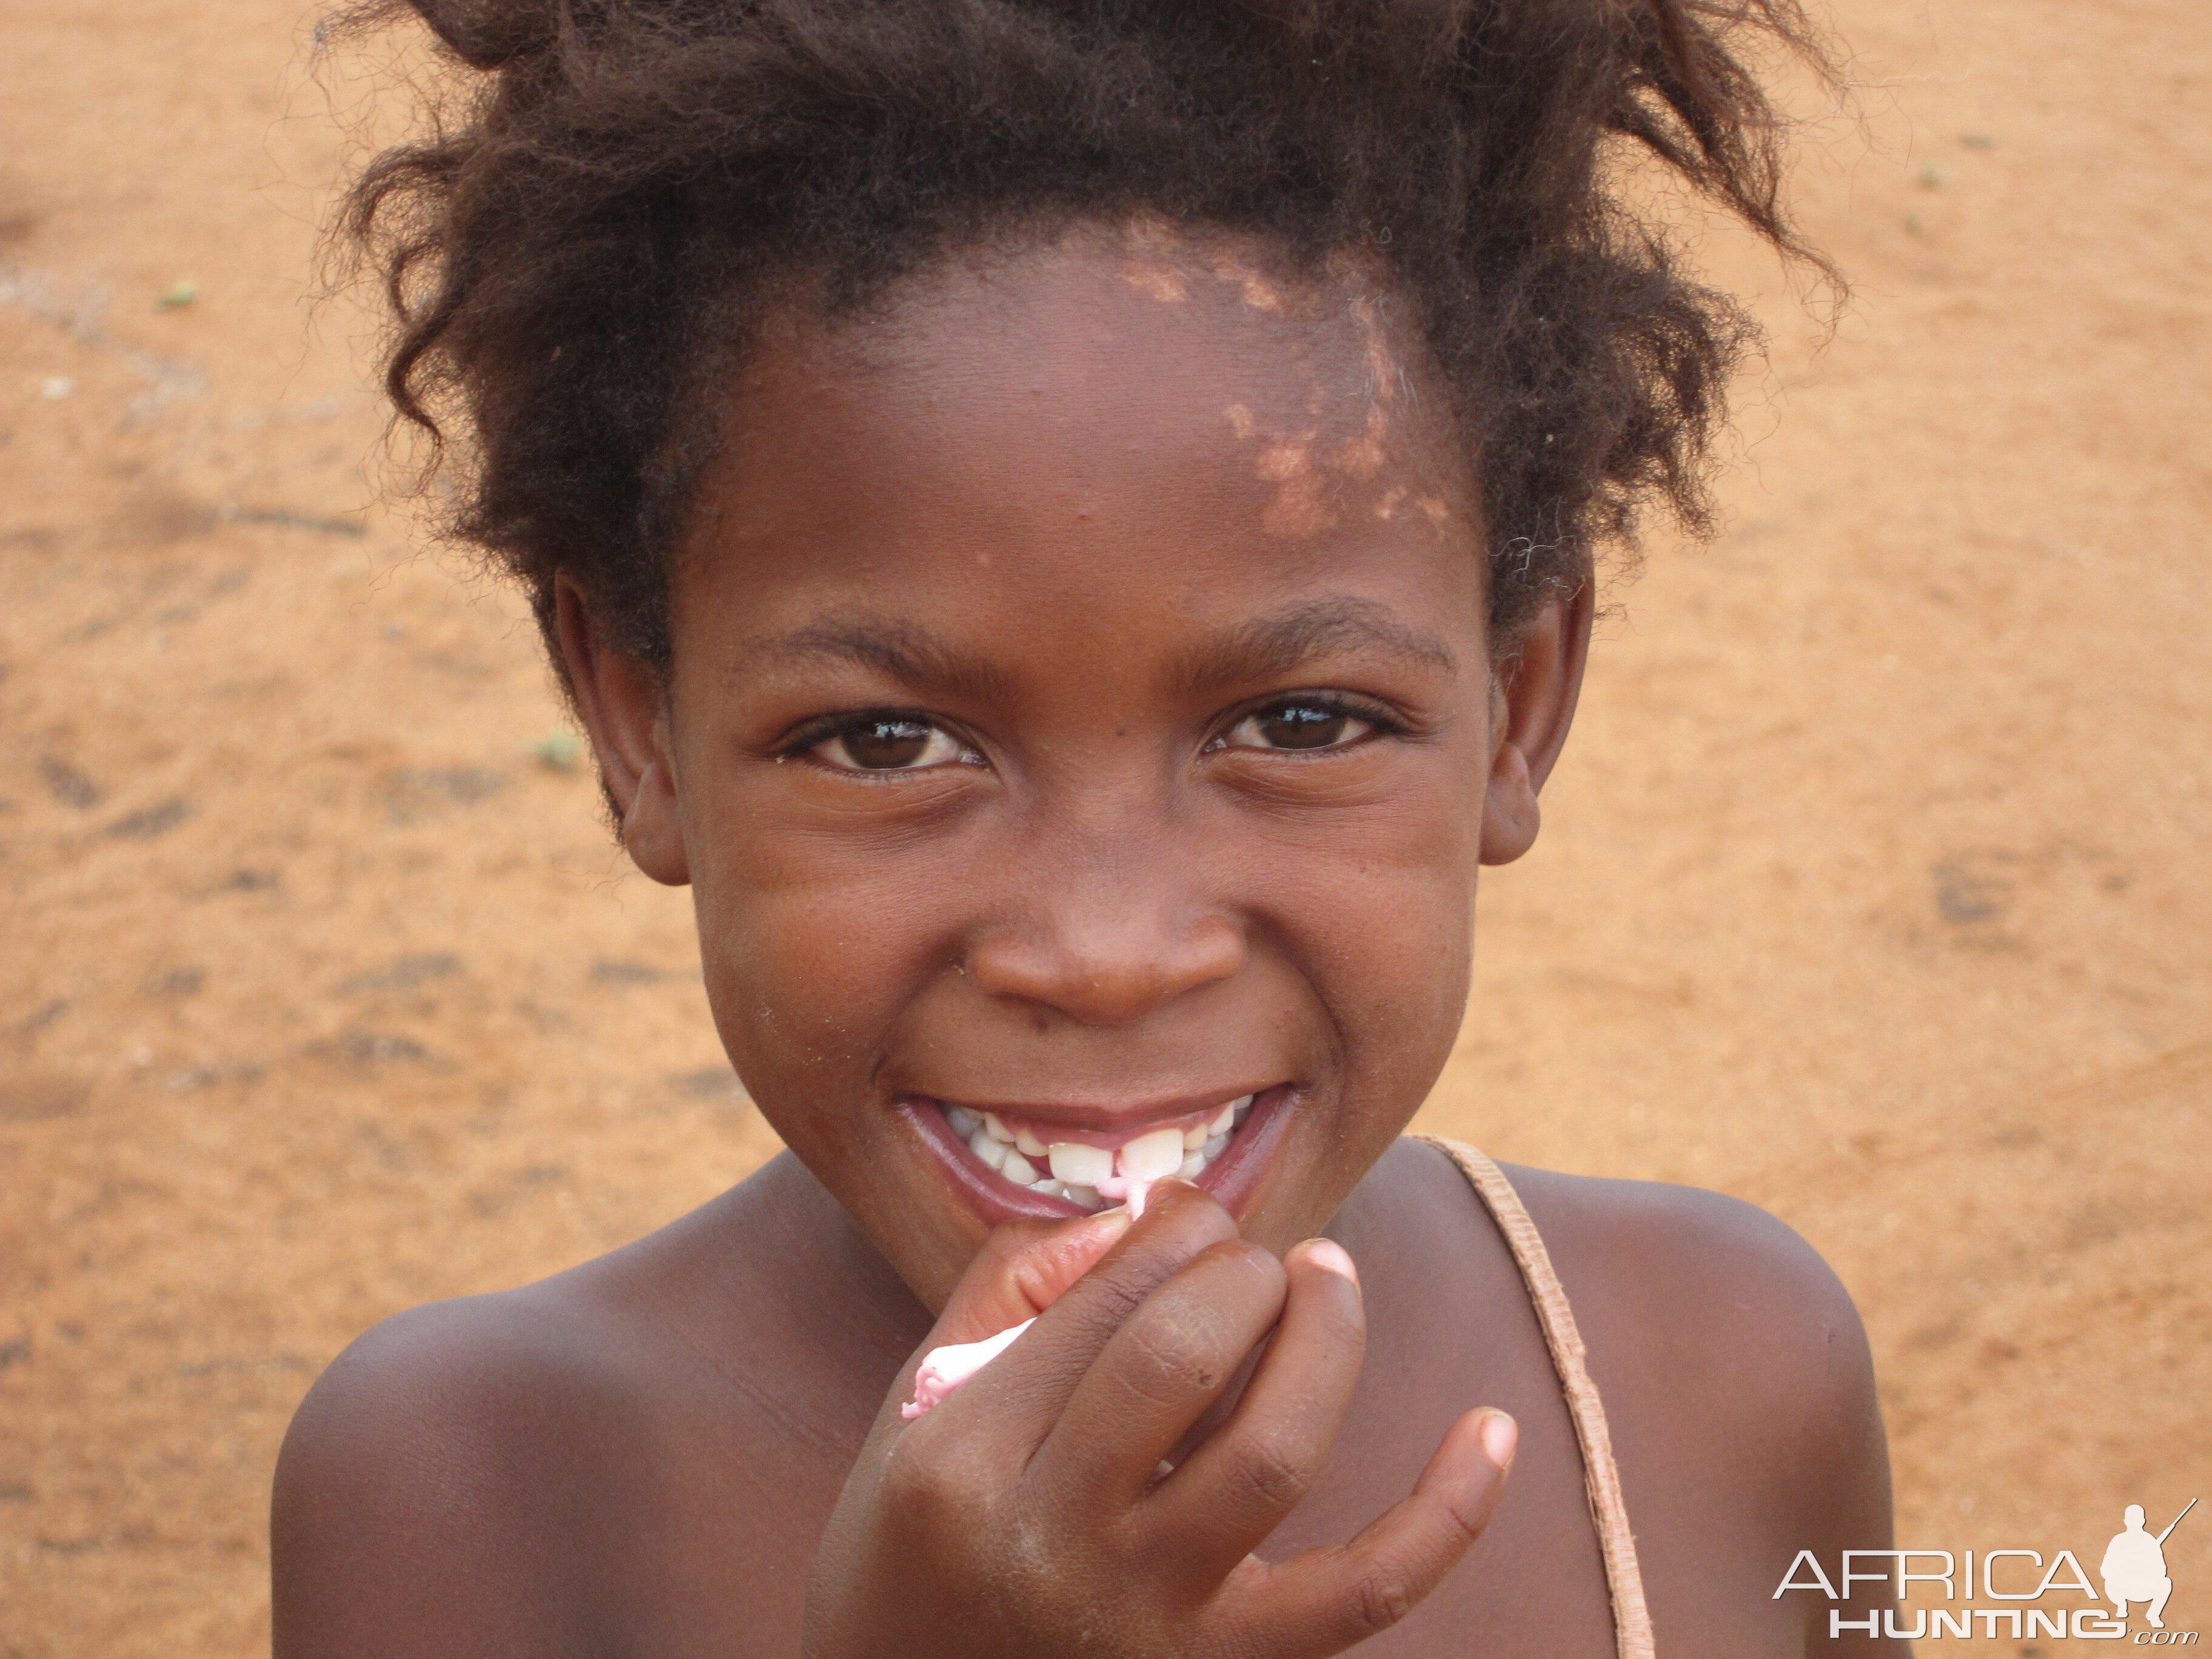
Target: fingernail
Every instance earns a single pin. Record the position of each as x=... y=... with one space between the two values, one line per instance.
x=1500 y=1434
x=1331 y=1256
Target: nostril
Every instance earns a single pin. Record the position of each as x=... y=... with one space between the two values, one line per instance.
x=1107 y=968
x=1111 y=972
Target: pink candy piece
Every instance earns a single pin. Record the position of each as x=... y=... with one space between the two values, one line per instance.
x=943 y=1369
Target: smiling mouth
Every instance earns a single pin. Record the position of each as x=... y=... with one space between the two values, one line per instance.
x=1089 y=1169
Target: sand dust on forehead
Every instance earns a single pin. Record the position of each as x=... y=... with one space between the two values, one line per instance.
x=1316 y=464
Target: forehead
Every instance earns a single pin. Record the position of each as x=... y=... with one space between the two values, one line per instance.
x=1119 y=417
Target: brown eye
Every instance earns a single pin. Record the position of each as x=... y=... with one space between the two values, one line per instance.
x=890 y=743
x=1297 y=725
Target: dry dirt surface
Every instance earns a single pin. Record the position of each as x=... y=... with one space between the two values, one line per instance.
x=1872 y=888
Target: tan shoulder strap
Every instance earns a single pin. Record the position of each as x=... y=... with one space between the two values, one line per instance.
x=1632 y=1620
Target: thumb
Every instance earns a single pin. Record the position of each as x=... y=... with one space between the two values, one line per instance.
x=1023 y=1268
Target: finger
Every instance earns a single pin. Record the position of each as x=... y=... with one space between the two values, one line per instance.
x=1023 y=1268
x=1169 y=1361
x=1236 y=1488
x=1027 y=1389
x=1326 y=1601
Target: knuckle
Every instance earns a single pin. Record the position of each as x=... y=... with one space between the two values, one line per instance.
x=1273 y=1473
x=1115 y=1289
x=930 y=1494
x=1381 y=1598
x=1465 y=1529
x=1122 y=1285
x=1171 y=1356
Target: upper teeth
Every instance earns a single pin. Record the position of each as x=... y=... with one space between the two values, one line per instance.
x=1074 y=1161
x=1088 y=1176
x=1149 y=1157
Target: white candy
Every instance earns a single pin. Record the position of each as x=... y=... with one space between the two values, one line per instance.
x=943 y=1369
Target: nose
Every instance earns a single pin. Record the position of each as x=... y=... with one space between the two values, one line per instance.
x=1107 y=952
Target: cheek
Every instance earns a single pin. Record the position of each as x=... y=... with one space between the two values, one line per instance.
x=807 y=959
x=1377 y=903
x=1402 y=967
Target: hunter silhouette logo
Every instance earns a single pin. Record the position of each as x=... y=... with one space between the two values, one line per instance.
x=2133 y=1570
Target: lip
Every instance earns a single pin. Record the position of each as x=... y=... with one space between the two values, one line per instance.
x=1229 y=1179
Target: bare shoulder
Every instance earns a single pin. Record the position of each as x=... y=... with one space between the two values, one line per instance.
x=1680 y=1260
x=636 y=1448
x=1736 y=1377
x=429 y=1486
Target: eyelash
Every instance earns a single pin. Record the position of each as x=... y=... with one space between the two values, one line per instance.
x=1380 y=720
x=827 y=728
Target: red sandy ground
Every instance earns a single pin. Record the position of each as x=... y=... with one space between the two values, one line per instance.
x=1872 y=889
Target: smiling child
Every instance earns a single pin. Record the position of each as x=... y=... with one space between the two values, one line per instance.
x=1069 y=525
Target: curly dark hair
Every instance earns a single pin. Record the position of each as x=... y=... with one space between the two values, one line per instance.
x=630 y=177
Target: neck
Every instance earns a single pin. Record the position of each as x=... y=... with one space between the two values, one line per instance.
x=872 y=1319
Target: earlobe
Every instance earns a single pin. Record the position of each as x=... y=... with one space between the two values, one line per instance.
x=653 y=826
x=624 y=707
x=1534 y=705
x=1511 y=816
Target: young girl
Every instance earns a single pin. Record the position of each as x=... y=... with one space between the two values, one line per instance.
x=1069 y=525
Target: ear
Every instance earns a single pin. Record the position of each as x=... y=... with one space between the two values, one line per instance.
x=1532 y=700
x=625 y=707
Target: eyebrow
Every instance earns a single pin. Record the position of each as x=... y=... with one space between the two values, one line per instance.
x=1267 y=647
x=906 y=653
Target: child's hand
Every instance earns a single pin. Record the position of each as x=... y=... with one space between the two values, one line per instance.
x=1027 y=1513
